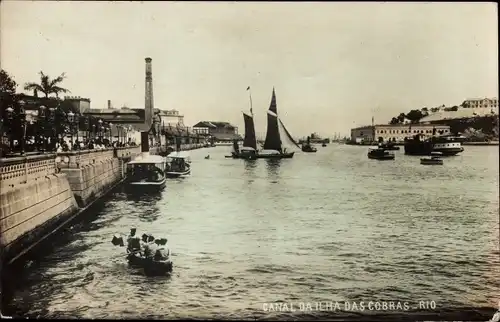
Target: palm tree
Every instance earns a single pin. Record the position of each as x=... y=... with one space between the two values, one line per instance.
x=47 y=86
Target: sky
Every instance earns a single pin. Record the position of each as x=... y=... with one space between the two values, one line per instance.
x=333 y=65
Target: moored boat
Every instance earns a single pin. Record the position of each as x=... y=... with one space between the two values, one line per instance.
x=178 y=165
x=146 y=171
x=435 y=159
x=380 y=154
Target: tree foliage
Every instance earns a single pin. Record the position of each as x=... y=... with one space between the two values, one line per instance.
x=7 y=83
x=7 y=93
x=47 y=85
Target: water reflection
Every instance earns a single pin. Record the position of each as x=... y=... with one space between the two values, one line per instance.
x=273 y=168
x=144 y=195
x=250 y=167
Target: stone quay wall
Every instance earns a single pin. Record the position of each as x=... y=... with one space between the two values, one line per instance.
x=39 y=193
x=92 y=173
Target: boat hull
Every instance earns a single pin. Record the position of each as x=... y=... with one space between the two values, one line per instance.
x=244 y=156
x=418 y=148
x=449 y=151
x=150 y=266
x=276 y=156
x=385 y=157
x=174 y=174
x=309 y=149
x=391 y=148
x=147 y=184
x=431 y=162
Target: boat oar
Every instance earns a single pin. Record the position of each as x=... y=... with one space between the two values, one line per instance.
x=131 y=253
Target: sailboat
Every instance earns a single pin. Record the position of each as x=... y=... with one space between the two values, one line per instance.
x=249 y=150
x=273 y=146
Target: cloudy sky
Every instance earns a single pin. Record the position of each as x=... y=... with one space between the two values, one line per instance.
x=333 y=65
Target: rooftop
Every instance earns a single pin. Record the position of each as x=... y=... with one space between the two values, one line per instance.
x=480 y=99
x=458 y=114
x=213 y=124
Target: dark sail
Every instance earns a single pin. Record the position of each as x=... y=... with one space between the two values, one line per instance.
x=273 y=140
x=289 y=135
x=250 y=140
x=272 y=107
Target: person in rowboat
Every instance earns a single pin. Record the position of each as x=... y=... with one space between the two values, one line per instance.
x=131 y=237
x=163 y=252
x=150 y=247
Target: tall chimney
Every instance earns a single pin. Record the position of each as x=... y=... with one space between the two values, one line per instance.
x=109 y=104
x=144 y=142
x=148 y=104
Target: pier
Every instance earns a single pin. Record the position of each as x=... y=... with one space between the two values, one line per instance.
x=41 y=193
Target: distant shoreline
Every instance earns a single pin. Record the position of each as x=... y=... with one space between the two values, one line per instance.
x=490 y=143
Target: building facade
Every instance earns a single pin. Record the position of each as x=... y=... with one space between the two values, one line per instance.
x=395 y=132
x=222 y=131
x=171 y=117
x=490 y=104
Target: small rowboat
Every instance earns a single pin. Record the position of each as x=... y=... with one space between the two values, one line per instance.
x=150 y=266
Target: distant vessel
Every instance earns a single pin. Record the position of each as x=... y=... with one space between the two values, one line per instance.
x=448 y=145
x=380 y=154
x=307 y=147
x=316 y=139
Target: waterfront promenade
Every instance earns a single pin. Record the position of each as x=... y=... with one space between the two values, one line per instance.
x=41 y=192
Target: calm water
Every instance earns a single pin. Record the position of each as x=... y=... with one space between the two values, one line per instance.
x=330 y=226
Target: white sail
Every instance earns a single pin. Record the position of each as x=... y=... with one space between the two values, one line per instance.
x=286 y=142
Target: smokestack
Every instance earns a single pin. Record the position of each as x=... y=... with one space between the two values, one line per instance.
x=109 y=104
x=144 y=142
x=148 y=104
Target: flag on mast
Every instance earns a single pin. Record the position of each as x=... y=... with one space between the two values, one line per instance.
x=250 y=93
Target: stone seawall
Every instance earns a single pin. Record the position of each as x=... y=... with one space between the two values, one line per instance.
x=90 y=174
x=33 y=197
x=39 y=193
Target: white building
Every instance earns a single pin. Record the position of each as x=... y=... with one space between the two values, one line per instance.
x=488 y=104
x=171 y=117
x=395 y=132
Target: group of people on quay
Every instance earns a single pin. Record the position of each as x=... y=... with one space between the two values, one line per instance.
x=32 y=146
x=147 y=246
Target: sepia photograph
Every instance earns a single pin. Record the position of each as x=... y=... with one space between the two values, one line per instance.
x=234 y=160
